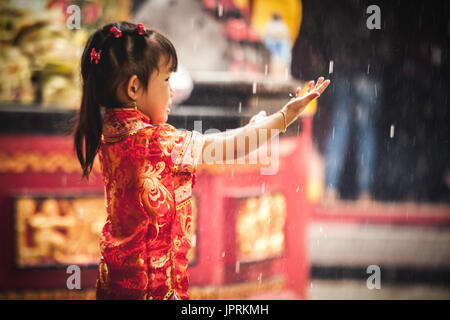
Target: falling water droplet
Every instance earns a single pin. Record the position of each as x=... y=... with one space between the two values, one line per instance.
x=240 y=106
x=391 y=134
x=263 y=187
x=237 y=267
x=330 y=69
x=223 y=254
x=254 y=88
x=220 y=10
x=266 y=69
x=298 y=189
x=332 y=136
x=368 y=68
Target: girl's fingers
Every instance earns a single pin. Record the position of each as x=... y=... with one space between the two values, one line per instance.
x=313 y=87
x=319 y=82
x=323 y=86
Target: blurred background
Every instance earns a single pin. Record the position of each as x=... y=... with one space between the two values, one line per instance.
x=359 y=207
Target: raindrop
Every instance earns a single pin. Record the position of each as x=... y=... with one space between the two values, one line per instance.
x=330 y=69
x=298 y=189
x=266 y=69
x=263 y=187
x=220 y=10
x=237 y=267
x=223 y=254
x=392 y=131
x=240 y=106
x=254 y=88
x=332 y=136
x=368 y=68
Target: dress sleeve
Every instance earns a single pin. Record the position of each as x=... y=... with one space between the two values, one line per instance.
x=183 y=147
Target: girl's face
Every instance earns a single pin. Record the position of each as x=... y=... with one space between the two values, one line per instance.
x=155 y=102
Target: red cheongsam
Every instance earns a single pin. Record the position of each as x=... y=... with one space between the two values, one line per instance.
x=148 y=172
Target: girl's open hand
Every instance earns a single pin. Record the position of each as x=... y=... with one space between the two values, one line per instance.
x=298 y=104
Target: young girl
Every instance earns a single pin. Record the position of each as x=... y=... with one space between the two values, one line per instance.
x=147 y=165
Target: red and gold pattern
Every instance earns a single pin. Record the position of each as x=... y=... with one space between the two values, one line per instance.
x=148 y=172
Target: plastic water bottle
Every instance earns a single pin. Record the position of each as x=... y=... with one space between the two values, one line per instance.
x=278 y=41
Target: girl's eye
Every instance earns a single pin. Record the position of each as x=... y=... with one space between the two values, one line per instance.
x=168 y=79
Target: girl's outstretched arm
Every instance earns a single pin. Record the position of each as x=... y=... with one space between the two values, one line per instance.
x=228 y=141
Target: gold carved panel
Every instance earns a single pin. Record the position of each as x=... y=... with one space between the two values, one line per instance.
x=260 y=227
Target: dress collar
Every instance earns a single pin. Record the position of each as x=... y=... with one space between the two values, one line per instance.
x=121 y=122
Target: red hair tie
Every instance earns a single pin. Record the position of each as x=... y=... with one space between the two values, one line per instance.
x=117 y=33
x=95 y=56
x=140 y=29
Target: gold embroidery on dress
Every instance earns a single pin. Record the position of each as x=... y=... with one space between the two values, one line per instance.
x=184 y=203
x=169 y=294
x=186 y=142
x=159 y=262
x=117 y=139
x=169 y=139
x=169 y=276
x=153 y=193
x=103 y=275
x=183 y=192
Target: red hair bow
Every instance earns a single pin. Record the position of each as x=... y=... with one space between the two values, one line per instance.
x=117 y=33
x=140 y=29
x=95 y=56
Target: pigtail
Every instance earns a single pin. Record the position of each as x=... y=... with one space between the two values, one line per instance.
x=89 y=122
x=87 y=136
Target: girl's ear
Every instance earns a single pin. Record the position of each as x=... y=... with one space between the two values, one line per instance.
x=133 y=87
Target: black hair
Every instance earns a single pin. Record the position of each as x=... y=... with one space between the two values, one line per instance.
x=120 y=58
